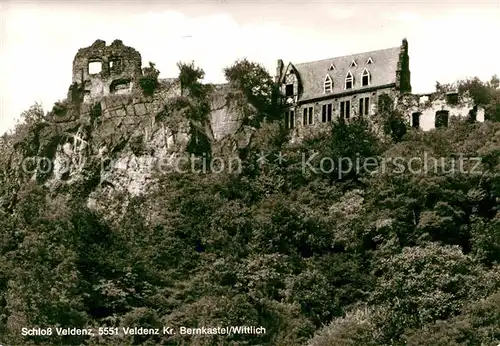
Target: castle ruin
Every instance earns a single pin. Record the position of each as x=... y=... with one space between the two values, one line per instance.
x=100 y=70
x=314 y=93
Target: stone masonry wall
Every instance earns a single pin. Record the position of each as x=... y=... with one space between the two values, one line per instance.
x=301 y=130
x=429 y=105
x=120 y=68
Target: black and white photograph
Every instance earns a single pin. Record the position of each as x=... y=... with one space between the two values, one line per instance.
x=250 y=173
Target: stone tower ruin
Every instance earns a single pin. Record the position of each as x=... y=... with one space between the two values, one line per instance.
x=100 y=70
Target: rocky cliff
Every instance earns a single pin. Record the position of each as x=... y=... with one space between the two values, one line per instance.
x=118 y=143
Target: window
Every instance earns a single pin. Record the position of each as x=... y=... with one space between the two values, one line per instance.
x=120 y=86
x=328 y=84
x=326 y=113
x=307 y=116
x=331 y=68
x=364 y=106
x=289 y=90
x=473 y=114
x=95 y=67
x=290 y=119
x=115 y=65
x=349 y=80
x=345 y=109
x=452 y=98
x=365 y=78
x=353 y=64
x=370 y=61
x=415 y=120
x=441 y=119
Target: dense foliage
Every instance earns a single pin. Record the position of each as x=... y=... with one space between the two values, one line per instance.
x=316 y=255
x=149 y=80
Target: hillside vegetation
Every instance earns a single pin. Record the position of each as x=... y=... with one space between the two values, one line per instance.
x=319 y=257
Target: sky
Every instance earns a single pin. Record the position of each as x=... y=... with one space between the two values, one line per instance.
x=448 y=40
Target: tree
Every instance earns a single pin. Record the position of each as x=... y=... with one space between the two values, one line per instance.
x=149 y=80
x=190 y=77
x=258 y=88
x=424 y=284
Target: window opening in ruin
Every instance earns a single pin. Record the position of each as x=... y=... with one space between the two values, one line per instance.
x=331 y=68
x=452 y=98
x=95 y=67
x=473 y=114
x=370 y=61
x=415 y=120
x=349 y=80
x=353 y=63
x=115 y=65
x=365 y=78
x=441 y=119
x=328 y=87
x=119 y=85
x=289 y=90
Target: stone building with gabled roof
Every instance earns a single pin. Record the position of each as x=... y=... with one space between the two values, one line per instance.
x=342 y=87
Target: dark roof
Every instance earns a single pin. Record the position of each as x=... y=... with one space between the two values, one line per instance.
x=382 y=71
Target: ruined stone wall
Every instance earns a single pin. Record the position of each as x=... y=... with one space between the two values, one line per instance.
x=120 y=69
x=114 y=117
x=428 y=105
x=127 y=115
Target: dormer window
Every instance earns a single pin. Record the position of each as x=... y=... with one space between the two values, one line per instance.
x=365 y=78
x=328 y=84
x=353 y=64
x=349 y=80
x=289 y=90
x=370 y=61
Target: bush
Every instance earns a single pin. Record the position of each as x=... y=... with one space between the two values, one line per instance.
x=149 y=80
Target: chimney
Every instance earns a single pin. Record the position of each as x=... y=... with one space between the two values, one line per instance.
x=279 y=70
x=404 y=46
